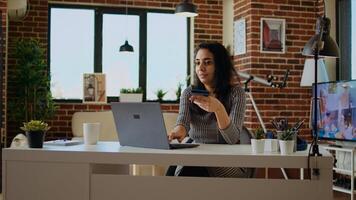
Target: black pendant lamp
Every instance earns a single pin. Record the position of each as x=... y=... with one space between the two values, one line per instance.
x=186 y=9
x=126 y=47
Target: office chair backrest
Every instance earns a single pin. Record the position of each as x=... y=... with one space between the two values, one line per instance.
x=245 y=136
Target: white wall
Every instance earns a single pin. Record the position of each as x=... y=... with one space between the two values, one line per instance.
x=228 y=24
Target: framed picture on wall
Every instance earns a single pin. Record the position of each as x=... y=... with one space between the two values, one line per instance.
x=240 y=36
x=94 y=88
x=272 y=35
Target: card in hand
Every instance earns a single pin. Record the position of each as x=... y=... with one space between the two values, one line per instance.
x=196 y=92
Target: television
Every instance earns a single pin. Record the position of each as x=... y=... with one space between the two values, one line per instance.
x=337 y=110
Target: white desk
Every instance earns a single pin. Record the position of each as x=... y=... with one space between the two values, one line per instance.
x=101 y=172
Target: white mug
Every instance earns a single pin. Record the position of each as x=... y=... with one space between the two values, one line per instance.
x=91 y=133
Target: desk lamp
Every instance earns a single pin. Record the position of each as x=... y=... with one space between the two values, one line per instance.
x=319 y=45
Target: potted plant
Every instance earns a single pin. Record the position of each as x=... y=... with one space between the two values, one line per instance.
x=32 y=99
x=131 y=95
x=179 y=91
x=257 y=143
x=35 y=132
x=286 y=141
x=160 y=94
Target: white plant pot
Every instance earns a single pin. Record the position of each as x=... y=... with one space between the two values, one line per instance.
x=130 y=97
x=257 y=146
x=286 y=146
x=271 y=145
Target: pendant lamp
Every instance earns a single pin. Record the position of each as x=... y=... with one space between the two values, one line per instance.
x=186 y=9
x=126 y=47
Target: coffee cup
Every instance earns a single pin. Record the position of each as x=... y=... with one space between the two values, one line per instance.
x=91 y=133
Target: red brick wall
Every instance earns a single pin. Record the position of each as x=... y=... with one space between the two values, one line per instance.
x=293 y=101
x=208 y=27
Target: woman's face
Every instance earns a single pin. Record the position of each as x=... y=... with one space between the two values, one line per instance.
x=205 y=67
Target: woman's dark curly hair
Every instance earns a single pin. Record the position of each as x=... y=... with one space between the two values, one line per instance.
x=224 y=70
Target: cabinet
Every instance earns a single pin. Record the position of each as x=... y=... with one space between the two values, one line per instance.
x=345 y=168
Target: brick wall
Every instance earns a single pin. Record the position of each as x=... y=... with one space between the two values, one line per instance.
x=292 y=102
x=208 y=27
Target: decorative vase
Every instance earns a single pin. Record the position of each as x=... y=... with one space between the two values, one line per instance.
x=35 y=138
x=258 y=146
x=131 y=97
x=286 y=146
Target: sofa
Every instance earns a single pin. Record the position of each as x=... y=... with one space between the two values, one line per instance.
x=108 y=133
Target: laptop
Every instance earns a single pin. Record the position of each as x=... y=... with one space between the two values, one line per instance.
x=142 y=125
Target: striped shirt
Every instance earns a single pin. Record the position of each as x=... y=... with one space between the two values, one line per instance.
x=203 y=128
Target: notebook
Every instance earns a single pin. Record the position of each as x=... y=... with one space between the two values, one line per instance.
x=142 y=125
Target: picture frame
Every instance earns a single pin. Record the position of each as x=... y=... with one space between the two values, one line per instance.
x=272 y=35
x=240 y=37
x=94 y=88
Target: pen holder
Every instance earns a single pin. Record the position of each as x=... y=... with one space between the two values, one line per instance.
x=279 y=134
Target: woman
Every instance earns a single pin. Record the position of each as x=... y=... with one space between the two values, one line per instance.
x=214 y=119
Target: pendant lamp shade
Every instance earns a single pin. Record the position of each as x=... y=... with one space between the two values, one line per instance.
x=186 y=9
x=126 y=47
x=322 y=41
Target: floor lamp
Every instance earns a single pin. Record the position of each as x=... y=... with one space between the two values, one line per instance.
x=319 y=45
x=308 y=80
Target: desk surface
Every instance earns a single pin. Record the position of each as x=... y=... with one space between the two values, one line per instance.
x=204 y=155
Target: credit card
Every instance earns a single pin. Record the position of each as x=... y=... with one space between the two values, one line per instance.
x=197 y=92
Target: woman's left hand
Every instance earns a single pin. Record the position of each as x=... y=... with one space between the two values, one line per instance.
x=209 y=103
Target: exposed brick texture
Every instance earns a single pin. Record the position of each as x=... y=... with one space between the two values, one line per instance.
x=208 y=27
x=292 y=102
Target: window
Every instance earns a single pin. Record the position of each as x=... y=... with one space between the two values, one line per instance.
x=121 y=69
x=87 y=40
x=72 y=50
x=166 y=53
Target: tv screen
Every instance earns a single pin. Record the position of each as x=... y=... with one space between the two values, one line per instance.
x=337 y=110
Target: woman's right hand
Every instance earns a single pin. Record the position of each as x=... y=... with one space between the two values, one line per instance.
x=178 y=133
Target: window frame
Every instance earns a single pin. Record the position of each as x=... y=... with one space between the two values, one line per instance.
x=99 y=11
x=343 y=38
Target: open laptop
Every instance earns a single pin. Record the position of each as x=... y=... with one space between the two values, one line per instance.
x=142 y=125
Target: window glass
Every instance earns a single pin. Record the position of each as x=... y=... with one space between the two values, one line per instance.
x=71 y=50
x=121 y=69
x=166 y=54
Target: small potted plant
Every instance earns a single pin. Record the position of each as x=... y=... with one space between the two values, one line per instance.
x=286 y=141
x=257 y=143
x=131 y=95
x=179 y=91
x=35 y=132
x=160 y=94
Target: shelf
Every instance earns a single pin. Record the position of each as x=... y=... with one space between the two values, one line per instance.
x=340 y=189
x=343 y=171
